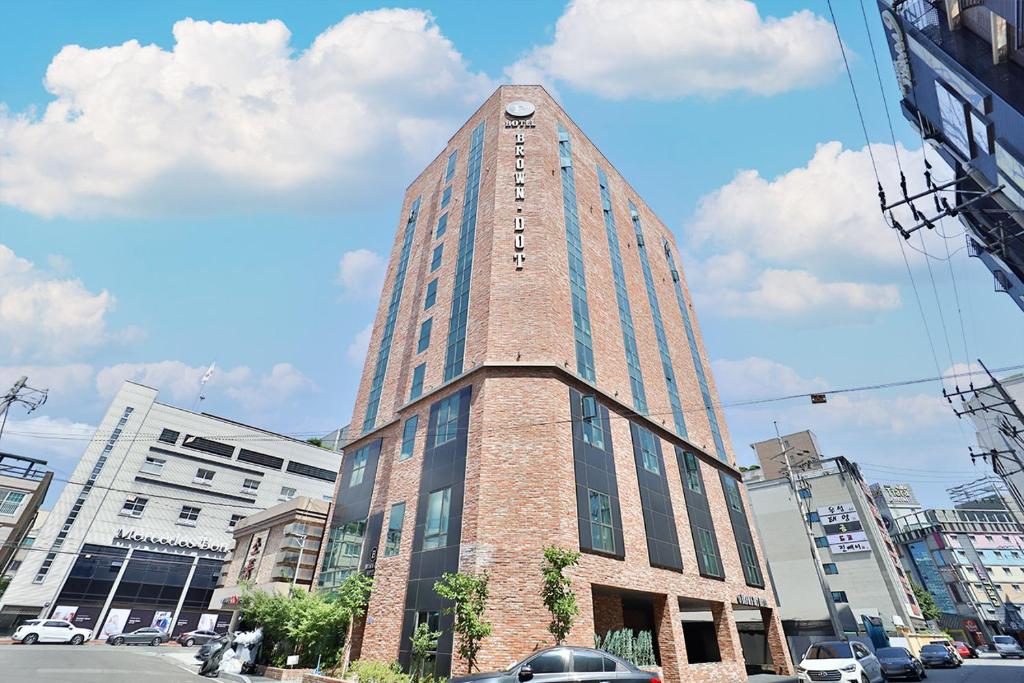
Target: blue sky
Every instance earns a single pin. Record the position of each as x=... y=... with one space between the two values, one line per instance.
x=228 y=192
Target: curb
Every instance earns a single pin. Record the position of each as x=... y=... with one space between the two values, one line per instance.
x=238 y=678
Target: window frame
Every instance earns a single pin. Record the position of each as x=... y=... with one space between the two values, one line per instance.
x=425 y=329
x=408 y=445
x=393 y=535
x=597 y=523
x=446 y=428
x=438 y=537
x=437 y=257
x=359 y=461
x=430 y=297
x=132 y=508
x=590 y=420
x=419 y=373
x=691 y=474
x=830 y=568
x=5 y=502
x=152 y=460
x=288 y=496
x=649 y=451
x=200 y=476
x=189 y=518
x=250 y=489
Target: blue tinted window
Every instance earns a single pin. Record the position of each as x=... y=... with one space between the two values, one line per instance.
x=812 y=516
x=417 y=381
x=408 y=437
x=431 y=295
x=446 y=196
x=435 y=261
x=442 y=225
x=424 y=335
x=830 y=568
x=450 y=170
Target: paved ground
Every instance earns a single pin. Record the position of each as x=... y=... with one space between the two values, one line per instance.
x=97 y=664
x=987 y=669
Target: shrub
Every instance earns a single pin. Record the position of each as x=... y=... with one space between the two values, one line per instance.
x=423 y=642
x=637 y=650
x=370 y=671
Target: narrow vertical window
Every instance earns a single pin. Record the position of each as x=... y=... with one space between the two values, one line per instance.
x=693 y=481
x=417 y=381
x=435 y=534
x=446 y=196
x=393 y=541
x=751 y=570
x=424 y=341
x=450 y=170
x=593 y=431
x=431 y=296
x=601 y=532
x=442 y=225
x=359 y=466
x=648 y=452
x=408 y=437
x=435 y=261
x=708 y=555
x=447 y=420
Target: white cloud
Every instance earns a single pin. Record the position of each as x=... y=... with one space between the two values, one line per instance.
x=59 y=441
x=755 y=378
x=751 y=379
x=42 y=316
x=283 y=383
x=778 y=294
x=826 y=212
x=232 y=117
x=179 y=383
x=361 y=274
x=60 y=380
x=667 y=49
x=356 y=350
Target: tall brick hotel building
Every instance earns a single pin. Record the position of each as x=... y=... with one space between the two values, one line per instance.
x=536 y=376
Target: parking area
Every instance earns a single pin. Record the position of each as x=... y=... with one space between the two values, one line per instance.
x=986 y=669
x=98 y=663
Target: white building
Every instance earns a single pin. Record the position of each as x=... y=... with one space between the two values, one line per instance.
x=142 y=529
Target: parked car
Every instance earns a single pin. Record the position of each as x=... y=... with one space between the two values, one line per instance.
x=209 y=647
x=197 y=638
x=899 y=662
x=965 y=650
x=835 y=660
x=948 y=644
x=50 y=631
x=556 y=664
x=938 y=656
x=1007 y=646
x=147 y=636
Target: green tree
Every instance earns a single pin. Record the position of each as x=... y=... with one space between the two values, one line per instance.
x=929 y=610
x=353 y=594
x=468 y=594
x=423 y=642
x=557 y=592
x=316 y=441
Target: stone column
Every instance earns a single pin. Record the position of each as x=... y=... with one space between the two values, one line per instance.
x=726 y=632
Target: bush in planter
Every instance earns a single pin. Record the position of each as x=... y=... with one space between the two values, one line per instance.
x=370 y=671
x=643 y=649
x=637 y=650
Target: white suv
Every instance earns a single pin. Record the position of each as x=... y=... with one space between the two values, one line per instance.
x=1007 y=646
x=50 y=631
x=835 y=660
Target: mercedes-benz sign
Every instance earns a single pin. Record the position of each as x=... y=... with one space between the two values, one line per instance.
x=519 y=109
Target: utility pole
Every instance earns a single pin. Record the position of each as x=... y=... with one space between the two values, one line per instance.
x=1005 y=462
x=21 y=393
x=826 y=592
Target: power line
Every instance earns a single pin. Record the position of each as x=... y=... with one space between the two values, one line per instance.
x=154 y=437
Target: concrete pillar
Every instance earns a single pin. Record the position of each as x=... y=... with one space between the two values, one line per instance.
x=671 y=643
x=181 y=598
x=110 y=596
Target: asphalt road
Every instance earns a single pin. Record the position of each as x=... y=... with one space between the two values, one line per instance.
x=984 y=670
x=93 y=664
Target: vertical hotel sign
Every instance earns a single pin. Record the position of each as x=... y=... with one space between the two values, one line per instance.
x=519 y=117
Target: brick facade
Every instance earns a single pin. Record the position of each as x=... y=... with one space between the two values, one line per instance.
x=520 y=360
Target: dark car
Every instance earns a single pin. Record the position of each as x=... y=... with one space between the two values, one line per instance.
x=898 y=662
x=209 y=647
x=558 y=664
x=938 y=655
x=966 y=650
x=142 y=636
x=201 y=637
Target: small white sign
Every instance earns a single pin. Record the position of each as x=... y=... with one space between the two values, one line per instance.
x=852 y=537
x=860 y=547
x=292 y=660
x=839 y=519
x=836 y=509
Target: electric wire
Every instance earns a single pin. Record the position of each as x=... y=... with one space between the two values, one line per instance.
x=969 y=372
